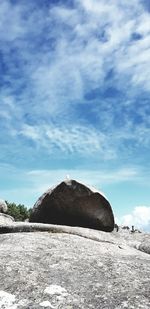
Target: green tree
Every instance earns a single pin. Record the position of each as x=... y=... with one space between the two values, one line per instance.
x=18 y=212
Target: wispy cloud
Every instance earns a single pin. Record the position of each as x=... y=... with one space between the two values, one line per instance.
x=74 y=80
x=78 y=138
x=32 y=183
x=84 y=50
x=104 y=177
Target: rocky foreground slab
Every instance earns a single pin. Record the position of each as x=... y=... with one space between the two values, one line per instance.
x=73 y=268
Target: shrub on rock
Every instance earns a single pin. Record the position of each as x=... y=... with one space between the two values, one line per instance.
x=18 y=212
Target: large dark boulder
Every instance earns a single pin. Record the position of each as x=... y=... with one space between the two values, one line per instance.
x=72 y=203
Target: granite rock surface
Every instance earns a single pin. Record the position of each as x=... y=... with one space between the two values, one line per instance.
x=73 y=268
x=3 y=206
x=5 y=219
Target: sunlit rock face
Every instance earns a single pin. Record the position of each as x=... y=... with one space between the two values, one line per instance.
x=66 y=271
x=72 y=203
x=3 y=206
x=5 y=219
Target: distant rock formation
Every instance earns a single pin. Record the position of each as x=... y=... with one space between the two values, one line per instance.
x=3 y=206
x=74 y=204
x=116 y=227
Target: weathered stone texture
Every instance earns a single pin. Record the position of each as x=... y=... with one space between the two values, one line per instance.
x=64 y=271
x=72 y=203
x=5 y=219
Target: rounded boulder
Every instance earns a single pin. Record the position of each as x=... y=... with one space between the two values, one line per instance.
x=74 y=204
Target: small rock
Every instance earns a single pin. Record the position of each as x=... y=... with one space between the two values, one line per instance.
x=46 y=304
x=7 y=300
x=55 y=290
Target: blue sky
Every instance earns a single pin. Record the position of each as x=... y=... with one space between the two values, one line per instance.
x=75 y=99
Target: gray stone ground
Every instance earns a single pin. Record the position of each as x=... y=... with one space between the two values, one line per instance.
x=61 y=269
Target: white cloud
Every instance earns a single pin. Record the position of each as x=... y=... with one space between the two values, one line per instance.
x=139 y=218
x=82 y=59
x=51 y=69
x=82 y=45
x=11 y=21
x=31 y=132
x=79 y=51
x=76 y=138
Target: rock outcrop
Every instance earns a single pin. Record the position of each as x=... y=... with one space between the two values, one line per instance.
x=66 y=271
x=5 y=219
x=74 y=204
x=3 y=206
